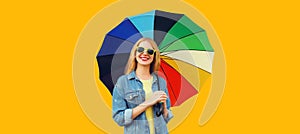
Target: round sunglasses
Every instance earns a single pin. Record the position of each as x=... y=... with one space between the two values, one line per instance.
x=148 y=50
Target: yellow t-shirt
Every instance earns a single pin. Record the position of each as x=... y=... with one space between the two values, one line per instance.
x=147 y=85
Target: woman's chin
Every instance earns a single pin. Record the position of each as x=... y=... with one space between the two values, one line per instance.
x=144 y=63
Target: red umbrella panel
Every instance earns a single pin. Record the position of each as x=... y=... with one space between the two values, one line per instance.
x=178 y=87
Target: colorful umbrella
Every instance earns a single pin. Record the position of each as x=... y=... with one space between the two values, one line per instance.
x=184 y=47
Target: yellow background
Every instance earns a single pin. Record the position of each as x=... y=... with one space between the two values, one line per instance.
x=259 y=38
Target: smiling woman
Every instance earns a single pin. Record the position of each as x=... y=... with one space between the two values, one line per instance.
x=137 y=95
x=94 y=81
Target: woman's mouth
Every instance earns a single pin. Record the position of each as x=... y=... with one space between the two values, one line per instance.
x=144 y=58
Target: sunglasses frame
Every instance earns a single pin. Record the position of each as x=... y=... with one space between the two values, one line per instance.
x=146 y=49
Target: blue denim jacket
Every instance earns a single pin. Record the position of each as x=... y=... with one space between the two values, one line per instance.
x=128 y=93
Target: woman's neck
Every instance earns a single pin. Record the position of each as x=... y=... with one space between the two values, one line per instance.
x=143 y=72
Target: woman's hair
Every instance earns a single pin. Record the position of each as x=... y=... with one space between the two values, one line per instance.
x=132 y=62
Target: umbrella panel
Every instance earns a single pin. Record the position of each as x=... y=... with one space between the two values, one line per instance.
x=183 y=27
x=197 y=41
x=126 y=31
x=163 y=22
x=200 y=59
x=111 y=67
x=178 y=87
x=196 y=79
x=114 y=45
x=144 y=23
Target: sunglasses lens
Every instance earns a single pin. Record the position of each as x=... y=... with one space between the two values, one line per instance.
x=140 y=49
x=150 y=51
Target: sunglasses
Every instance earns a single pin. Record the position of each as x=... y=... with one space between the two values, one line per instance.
x=148 y=50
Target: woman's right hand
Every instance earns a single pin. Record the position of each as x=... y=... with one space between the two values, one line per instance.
x=157 y=96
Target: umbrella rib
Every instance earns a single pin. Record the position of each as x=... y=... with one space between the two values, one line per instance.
x=173 y=51
x=170 y=84
x=118 y=38
x=111 y=54
x=168 y=45
x=135 y=28
x=168 y=58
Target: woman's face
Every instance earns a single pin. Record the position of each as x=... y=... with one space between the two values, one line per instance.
x=144 y=58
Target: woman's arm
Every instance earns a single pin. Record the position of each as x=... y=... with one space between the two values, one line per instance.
x=138 y=110
x=121 y=113
x=166 y=111
x=157 y=96
x=168 y=115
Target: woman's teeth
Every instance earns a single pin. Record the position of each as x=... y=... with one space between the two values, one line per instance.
x=144 y=58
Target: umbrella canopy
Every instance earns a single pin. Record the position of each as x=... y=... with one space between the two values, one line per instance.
x=180 y=41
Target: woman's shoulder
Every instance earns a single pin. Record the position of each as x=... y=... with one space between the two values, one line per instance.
x=160 y=78
x=126 y=77
x=123 y=77
x=121 y=82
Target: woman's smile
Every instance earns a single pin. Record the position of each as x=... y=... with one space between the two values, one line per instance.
x=144 y=57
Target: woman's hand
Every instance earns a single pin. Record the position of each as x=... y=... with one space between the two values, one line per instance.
x=165 y=109
x=157 y=96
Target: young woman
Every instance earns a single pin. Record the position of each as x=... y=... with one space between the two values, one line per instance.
x=140 y=97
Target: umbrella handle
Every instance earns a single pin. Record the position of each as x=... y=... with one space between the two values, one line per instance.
x=160 y=108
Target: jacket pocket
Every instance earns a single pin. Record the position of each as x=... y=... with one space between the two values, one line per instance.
x=133 y=98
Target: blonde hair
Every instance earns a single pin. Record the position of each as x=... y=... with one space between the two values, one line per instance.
x=132 y=63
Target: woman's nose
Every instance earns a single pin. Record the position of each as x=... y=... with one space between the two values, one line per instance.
x=144 y=53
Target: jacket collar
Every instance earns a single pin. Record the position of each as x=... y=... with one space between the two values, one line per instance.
x=132 y=75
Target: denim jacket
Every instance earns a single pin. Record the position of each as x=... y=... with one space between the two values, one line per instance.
x=127 y=94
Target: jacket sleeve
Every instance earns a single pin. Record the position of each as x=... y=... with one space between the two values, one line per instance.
x=121 y=113
x=170 y=114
